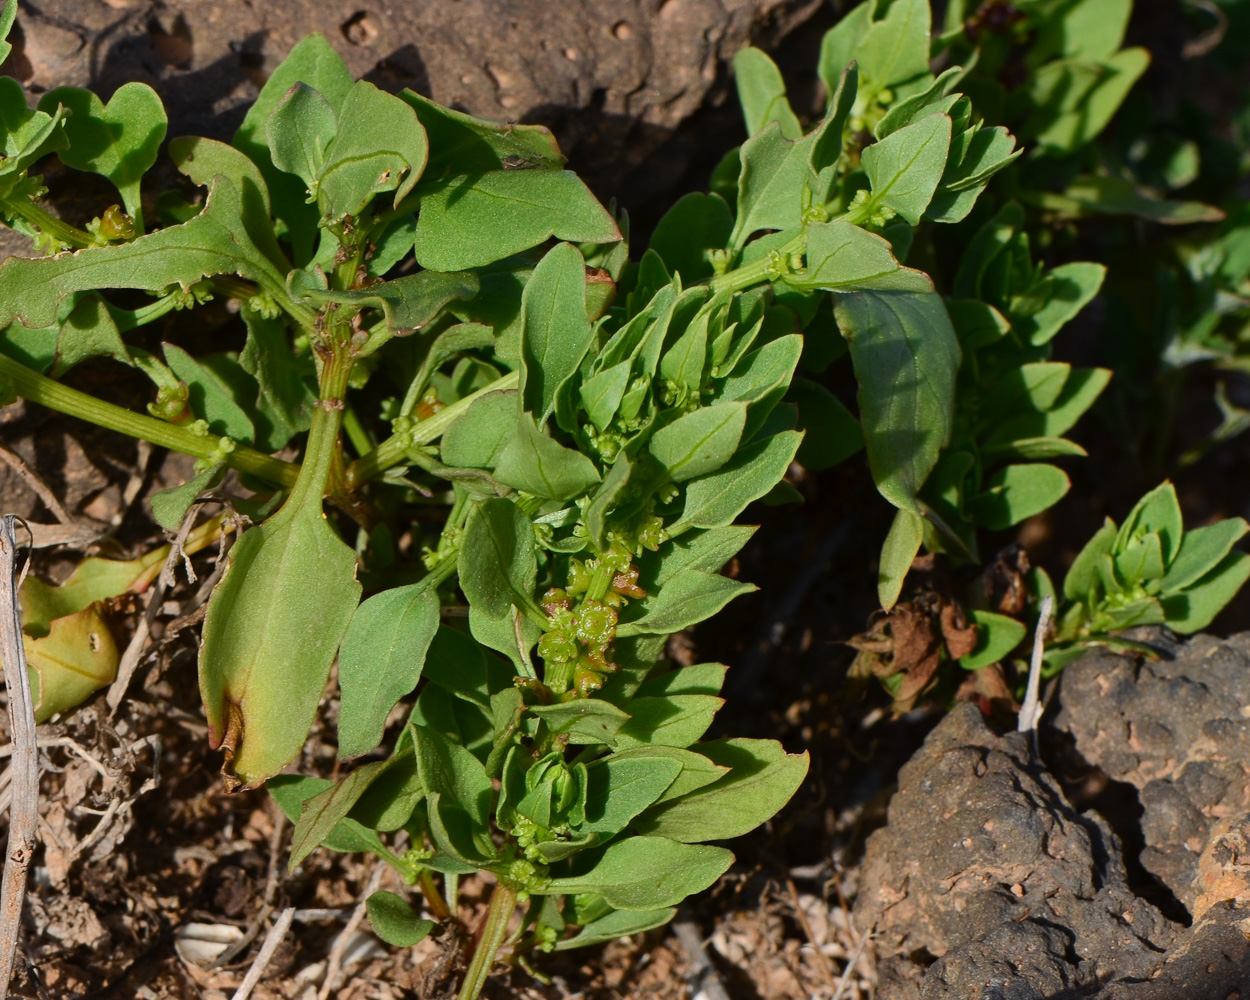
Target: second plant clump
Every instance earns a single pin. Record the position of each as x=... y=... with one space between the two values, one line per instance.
x=456 y=323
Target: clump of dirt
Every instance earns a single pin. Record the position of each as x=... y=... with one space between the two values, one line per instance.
x=988 y=882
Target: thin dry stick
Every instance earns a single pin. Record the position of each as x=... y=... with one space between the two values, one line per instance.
x=24 y=814
x=334 y=964
x=31 y=478
x=853 y=961
x=1031 y=711
x=274 y=938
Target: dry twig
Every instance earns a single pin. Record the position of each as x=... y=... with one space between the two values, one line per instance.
x=24 y=814
x=1031 y=711
x=274 y=938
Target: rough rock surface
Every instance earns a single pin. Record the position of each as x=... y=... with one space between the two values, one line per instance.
x=1178 y=730
x=987 y=872
x=987 y=884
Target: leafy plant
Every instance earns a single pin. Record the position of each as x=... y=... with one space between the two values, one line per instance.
x=454 y=321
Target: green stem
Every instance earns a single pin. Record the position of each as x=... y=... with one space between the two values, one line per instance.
x=394 y=449
x=38 y=216
x=323 y=433
x=55 y=396
x=502 y=905
x=759 y=270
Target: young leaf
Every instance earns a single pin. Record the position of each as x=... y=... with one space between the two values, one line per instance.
x=209 y=397
x=762 y=94
x=557 y=333
x=585 y=720
x=477 y=438
x=323 y=811
x=706 y=551
x=845 y=258
x=685 y=600
x=770 y=188
x=696 y=225
x=997 y=635
x=762 y=779
x=170 y=506
x=714 y=500
x=619 y=788
x=619 y=923
x=668 y=721
x=699 y=442
x=1072 y=287
x=316 y=64
x=645 y=873
x=381 y=659
x=1083 y=577
x=1202 y=549
x=897 y=554
x=906 y=357
x=538 y=464
x=300 y=130
x=1017 y=492
x=394 y=921
x=379 y=146
x=1195 y=607
x=905 y=167
x=474 y=221
x=118 y=140
x=1159 y=511
x=497 y=564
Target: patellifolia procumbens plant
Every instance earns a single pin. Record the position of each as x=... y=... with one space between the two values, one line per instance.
x=444 y=321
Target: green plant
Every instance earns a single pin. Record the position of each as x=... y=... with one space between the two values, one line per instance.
x=455 y=322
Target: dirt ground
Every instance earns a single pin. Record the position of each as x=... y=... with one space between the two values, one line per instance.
x=154 y=882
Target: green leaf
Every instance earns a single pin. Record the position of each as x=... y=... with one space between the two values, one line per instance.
x=715 y=500
x=314 y=62
x=619 y=788
x=394 y=921
x=118 y=140
x=762 y=779
x=676 y=720
x=458 y=799
x=557 y=334
x=291 y=791
x=898 y=552
x=381 y=660
x=905 y=167
x=474 y=221
x=462 y=144
x=699 y=442
x=214 y=242
x=409 y=302
x=906 y=357
x=209 y=396
x=844 y=258
x=7 y=17
x=758 y=375
x=894 y=49
x=1072 y=287
x=379 y=146
x=300 y=130
x=601 y=394
x=585 y=720
x=1083 y=107
x=645 y=873
x=762 y=94
x=536 y=463
x=696 y=225
x=1082 y=578
x=830 y=433
x=982 y=153
x=1159 y=511
x=617 y=924
x=476 y=439
x=323 y=812
x=997 y=635
x=1017 y=492
x=826 y=150
x=268 y=644
x=1097 y=195
x=1202 y=549
x=685 y=600
x=284 y=397
x=89 y=331
x=770 y=187
x=934 y=99
x=1194 y=608
x=170 y=506
x=497 y=564
x=707 y=551
x=1141 y=560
